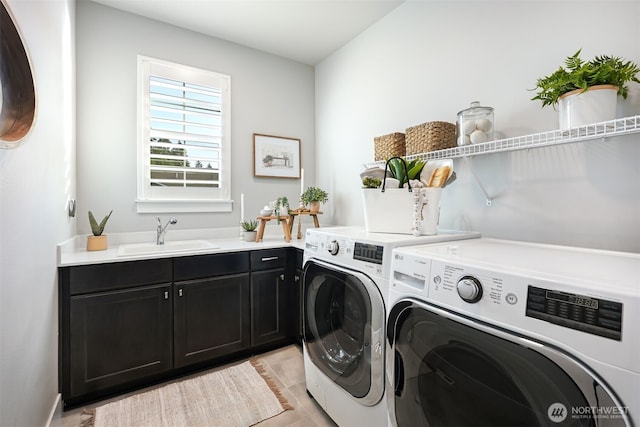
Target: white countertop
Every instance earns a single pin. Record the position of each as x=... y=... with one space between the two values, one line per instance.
x=73 y=251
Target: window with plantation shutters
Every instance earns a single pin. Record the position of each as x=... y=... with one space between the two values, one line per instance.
x=183 y=144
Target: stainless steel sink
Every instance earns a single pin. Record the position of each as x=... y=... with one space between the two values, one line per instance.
x=152 y=248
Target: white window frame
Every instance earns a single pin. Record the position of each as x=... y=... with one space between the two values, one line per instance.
x=180 y=199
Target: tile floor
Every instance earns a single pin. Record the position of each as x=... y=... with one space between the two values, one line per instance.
x=285 y=366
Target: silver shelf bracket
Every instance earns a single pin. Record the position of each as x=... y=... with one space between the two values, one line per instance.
x=488 y=200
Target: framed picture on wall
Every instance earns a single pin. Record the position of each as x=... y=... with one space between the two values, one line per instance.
x=276 y=156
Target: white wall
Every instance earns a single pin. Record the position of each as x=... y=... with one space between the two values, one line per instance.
x=269 y=95
x=36 y=180
x=427 y=60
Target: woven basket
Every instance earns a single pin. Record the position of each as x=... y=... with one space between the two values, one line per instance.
x=430 y=136
x=390 y=145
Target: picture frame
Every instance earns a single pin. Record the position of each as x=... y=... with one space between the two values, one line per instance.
x=276 y=156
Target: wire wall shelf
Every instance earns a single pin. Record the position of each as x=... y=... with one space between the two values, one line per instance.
x=617 y=127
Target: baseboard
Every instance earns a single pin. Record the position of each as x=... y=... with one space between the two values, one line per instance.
x=55 y=417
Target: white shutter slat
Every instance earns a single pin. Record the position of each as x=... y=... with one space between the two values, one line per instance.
x=172 y=101
x=201 y=139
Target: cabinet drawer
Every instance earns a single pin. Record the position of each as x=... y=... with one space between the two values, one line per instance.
x=268 y=258
x=196 y=267
x=100 y=277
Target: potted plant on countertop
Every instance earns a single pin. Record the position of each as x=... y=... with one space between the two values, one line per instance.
x=586 y=92
x=281 y=207
x=313 y=196
x=97 y=242
x=249 y=228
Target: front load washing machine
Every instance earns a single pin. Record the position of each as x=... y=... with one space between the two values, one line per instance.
x=503 y=333
x=345 y=284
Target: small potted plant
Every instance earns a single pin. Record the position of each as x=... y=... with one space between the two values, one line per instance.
x=249 y=228
x=313 y=196
x=572 y=87
x=97 y=242
x=281 y=207
x=402 y=174
x=371 y=182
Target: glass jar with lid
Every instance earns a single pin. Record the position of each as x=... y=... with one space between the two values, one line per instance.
x=475 y=124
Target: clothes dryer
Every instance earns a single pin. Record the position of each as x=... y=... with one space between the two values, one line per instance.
x=502 y=333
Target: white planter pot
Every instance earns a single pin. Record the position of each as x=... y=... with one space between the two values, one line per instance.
x=250 y=236
x=395 y=210
x=597 y=104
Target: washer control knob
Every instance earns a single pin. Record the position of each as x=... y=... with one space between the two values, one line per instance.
x=469 y=289
x=333 y=247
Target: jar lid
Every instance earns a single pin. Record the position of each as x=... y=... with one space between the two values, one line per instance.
x=476 y=108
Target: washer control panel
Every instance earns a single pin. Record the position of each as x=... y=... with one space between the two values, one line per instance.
x=581 y=300
x=583 y=313
x=466 y=287
x=512 y=298
x=346 y=251
x=368 y=252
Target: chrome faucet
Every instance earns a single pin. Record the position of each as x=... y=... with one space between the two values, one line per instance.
x=160 y=230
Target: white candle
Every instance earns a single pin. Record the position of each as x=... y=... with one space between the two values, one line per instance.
x=242 y=207
x=301 y=180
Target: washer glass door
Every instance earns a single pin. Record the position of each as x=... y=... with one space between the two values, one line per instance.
x=451 y=371
x=343 y=327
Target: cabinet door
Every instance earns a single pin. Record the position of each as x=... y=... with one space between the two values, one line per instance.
x=271 y=299
x=298 y=295
x=211 y=318
x=298 y=304
x=117 y=337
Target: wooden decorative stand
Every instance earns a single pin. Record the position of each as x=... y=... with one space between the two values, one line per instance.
x=287 y=223
x=283 y=220
x=298 y=212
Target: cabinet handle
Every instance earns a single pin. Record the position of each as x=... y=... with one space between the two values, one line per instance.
x=282 y=277
x=269 y=258
x=296 y=278
x=166 y=295
x=180 y=292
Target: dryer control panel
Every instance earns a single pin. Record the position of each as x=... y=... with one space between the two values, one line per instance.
x=580 y=312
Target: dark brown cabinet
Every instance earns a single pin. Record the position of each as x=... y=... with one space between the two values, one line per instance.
x=211 y=318
x=125 y=324
x=98 y=358
x=212 y=307
x=271 y=297
x=298 y=293
x=269 y=307
x=132 y=298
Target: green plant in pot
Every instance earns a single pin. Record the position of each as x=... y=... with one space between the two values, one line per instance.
x=250 y=225
x=397 y=170
x=371 y=182
x=312 y=197
x=249 y=228
x=98 y=241
x=281 y=207
x=571 y=86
